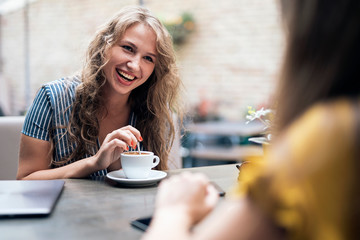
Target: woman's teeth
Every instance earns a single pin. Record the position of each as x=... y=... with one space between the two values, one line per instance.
x=125 y=75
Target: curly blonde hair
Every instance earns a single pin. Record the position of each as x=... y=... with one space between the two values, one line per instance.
x=154 y=102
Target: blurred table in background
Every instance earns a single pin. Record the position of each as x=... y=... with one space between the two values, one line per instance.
x=225 y=128
x=219 y=142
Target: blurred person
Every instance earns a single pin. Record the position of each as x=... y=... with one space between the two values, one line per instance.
x=307 y=185
x=127 y=93
x=1 y=111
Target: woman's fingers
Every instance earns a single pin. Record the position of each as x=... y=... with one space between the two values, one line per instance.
x=189 y=187
x=115 y=143
x=134 y=131
x=127 y=134
x=191 y=193
x=212 y=196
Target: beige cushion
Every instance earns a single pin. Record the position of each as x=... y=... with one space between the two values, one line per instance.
x=10 y=131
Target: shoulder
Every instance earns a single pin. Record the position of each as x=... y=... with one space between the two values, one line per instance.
x=61 y=88
x=61 y=93
x=325 y=133
x=326 y=119
x=63 y=84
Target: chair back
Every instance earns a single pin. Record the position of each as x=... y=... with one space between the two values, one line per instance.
x=10 y=132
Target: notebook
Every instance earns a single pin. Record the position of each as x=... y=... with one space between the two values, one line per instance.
x=27 y=198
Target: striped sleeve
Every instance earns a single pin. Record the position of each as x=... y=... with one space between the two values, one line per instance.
x=38 y=118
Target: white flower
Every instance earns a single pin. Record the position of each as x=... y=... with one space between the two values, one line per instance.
x=259 y=114
x=265 y=116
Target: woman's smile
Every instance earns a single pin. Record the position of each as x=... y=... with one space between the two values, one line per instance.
x=125 y=76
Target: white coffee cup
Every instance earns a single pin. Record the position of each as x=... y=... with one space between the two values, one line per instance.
x=137 y=166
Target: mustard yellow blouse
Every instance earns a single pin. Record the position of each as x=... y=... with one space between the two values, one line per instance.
x=308 y=181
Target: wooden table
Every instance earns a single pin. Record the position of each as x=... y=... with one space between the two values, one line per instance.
x=101 y=209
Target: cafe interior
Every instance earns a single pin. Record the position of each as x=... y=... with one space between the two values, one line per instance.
x=228 y=55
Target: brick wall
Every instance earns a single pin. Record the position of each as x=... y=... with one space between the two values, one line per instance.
x=231 y=59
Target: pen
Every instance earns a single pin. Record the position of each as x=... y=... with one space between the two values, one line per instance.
x=238 y=166
x=241 y=165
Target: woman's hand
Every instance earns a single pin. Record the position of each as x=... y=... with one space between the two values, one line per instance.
x=189 y=194
x=114 y=144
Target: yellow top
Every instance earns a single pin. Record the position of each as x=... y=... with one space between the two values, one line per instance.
x=308 y=181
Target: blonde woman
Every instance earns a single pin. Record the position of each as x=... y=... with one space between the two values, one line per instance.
x=126 y=93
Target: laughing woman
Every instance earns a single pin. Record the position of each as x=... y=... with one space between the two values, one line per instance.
x=126 y=93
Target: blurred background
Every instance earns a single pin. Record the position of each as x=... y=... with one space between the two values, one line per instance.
x=228 y=52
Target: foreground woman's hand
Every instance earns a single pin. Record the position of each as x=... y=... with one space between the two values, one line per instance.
x=191 y=193
x=182 y=201
x=186 y=199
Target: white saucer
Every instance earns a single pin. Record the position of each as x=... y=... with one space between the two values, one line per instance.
x=154 y=177
x=259 y=140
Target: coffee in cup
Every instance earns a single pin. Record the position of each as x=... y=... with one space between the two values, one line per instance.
x=138 y=165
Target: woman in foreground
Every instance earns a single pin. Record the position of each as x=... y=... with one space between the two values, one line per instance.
x=128 y=89
x=307 y=186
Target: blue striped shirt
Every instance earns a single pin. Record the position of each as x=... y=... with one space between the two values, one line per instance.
x=50 y=111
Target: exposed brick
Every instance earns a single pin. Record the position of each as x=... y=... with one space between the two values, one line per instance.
x=232 y=57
